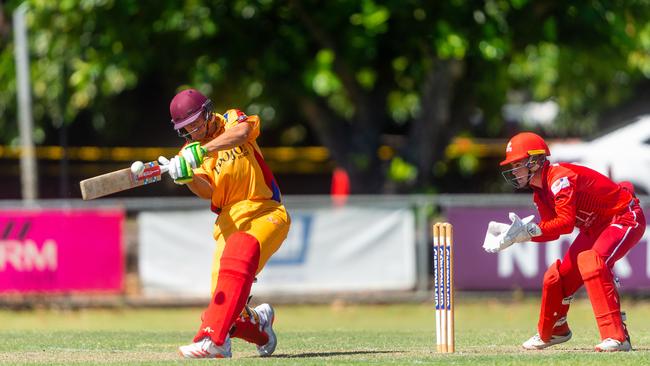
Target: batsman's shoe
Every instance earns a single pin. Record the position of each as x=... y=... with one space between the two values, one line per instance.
x=267 y=317
x=535 y=342
x=206 y=348
x=612 y=345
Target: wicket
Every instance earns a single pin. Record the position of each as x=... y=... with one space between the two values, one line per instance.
x=443 y=274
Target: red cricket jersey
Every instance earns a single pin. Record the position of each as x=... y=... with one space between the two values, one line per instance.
x=576 y=196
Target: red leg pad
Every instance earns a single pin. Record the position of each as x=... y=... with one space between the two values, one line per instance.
x=552 y=307
x=247 y=327
x=599 y=283
x=239 y=262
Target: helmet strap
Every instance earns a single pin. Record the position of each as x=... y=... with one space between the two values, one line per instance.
x=534 y=163
x=208 y=107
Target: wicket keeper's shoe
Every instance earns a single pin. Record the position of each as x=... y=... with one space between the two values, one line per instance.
x=627 y=334
x=535 y=342
x=206 y=348
x=612 y=345
x=266 y=316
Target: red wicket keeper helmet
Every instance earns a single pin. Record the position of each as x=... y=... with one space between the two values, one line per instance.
x=524 y=145
x=187 y=106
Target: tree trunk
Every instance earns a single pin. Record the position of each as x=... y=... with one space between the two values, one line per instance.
x=431 y=131
x=352 y=147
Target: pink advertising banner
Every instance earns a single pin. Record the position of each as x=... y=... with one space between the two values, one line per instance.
x=60 y=251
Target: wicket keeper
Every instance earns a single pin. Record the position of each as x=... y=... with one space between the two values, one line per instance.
x=610 y=221
x=222 y=162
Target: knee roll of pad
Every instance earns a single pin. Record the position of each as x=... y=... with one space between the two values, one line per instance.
x=242 y=254
x=552 y=274
x=591 y=265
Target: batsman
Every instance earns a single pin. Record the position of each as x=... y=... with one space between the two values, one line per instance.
x=222 y=162
x=610 y=223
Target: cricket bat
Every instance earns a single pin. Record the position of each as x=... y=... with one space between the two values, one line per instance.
x=121 y=180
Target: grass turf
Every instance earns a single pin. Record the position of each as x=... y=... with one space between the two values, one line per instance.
x=488 y=332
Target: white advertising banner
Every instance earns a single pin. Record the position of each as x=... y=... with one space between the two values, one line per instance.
x=327 y=250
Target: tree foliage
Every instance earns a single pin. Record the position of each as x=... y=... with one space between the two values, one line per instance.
x=359 y=74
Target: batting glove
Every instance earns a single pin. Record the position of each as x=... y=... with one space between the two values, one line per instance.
x=179 y=169
x=194 y=154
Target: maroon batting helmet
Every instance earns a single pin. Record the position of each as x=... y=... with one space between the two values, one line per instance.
x=187 y=106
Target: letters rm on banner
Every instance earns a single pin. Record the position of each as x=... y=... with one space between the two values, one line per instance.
x=58 y=250
x=522 y=266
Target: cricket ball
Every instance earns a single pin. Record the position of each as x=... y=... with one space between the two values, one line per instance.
x=137 y=167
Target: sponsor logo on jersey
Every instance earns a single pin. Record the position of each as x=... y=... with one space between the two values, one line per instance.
x=584 y=219
x=227 y=157
x=560 y=184
x=241 y=116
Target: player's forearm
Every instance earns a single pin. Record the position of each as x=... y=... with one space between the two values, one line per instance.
x=233 y=137
x=201 y=187
x=547 y=234
x=558 y=226
x=544 y=238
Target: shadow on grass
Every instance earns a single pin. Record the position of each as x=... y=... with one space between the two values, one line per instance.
x=331 y=354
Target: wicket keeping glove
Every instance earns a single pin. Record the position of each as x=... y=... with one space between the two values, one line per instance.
x=520 y=230
x=493 y=236
x=179 y=169
x=194 y=154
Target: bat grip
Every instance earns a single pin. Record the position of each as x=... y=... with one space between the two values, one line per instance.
x=164 y=169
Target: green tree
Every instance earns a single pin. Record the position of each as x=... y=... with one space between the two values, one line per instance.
x=359 y=73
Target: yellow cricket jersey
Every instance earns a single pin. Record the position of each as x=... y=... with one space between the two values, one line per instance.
x=241 y=181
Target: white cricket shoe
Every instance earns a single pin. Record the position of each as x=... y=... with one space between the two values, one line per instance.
x=206 y=348
x=536 y=343
x=612 y=345
x=267 y=316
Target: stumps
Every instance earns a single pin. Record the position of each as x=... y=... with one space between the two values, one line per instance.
x=443 y=273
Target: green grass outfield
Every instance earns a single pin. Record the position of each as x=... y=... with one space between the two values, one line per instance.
x=488 y=332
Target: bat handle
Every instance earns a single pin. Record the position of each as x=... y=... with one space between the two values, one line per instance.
x=163 y=164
